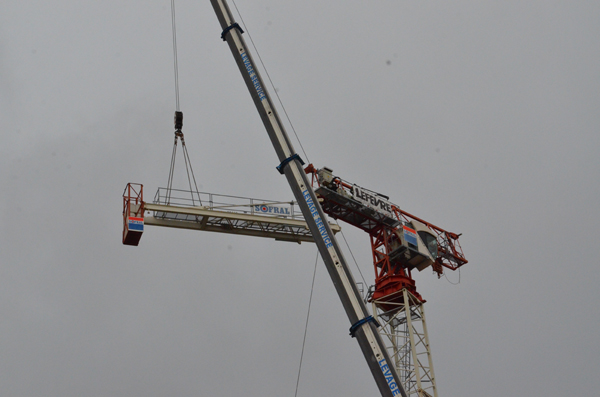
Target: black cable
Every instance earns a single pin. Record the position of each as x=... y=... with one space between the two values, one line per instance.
x=185 y=153
x=271 y=82
x=352 y=255
x=171 y=172
x=175 y=64
x=178 y=126
x=312 y=287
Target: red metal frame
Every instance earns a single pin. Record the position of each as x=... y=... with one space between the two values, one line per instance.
x=450 y=253
x=133 y=193
x=390 y=276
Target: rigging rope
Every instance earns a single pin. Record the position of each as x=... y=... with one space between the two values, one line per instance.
x=170 y=181
x=271 y=82
x=175 y=64
x=352 y=254
x=312 y=287
x=178 y=129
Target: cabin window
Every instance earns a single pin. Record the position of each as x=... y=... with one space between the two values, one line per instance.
x=430 y=242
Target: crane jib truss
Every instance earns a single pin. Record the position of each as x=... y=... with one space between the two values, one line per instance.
x=220 y=213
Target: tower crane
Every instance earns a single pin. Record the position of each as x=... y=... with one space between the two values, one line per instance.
x=400 y=242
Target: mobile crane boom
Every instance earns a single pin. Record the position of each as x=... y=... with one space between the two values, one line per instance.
x=363 y=326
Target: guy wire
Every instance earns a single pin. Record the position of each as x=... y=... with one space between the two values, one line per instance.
x=271 y=82
x=312 y=287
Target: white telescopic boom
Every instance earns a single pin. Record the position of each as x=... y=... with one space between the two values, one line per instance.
x=363 y=325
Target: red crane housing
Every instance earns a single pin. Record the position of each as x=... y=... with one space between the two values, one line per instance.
x=400 y=242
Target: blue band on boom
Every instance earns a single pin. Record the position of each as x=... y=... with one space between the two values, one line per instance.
x=285 y=162
x=227 y=29
x=361 y=322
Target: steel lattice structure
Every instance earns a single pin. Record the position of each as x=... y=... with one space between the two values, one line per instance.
x=404 y=329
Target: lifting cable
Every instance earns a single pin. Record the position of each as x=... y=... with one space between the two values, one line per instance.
x=352 y=254
x=306 y=325
x=175 y=65
x=270 y=81
x=312 y=287
x=178 y=129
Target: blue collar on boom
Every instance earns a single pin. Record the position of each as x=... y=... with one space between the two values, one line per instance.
x=227 y=29
x=285 y=162
x=361 y=322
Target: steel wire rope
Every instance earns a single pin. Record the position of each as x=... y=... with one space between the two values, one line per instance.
x=308 y=161
x=187 y=170
x=170 y=180
x=178 y=132
x=271 y=82
x=176 y=72
x=312 y=287
x=351 y=254
x=175 y=64
x=186 y=155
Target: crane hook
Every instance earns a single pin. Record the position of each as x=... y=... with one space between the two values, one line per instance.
x=178 y=123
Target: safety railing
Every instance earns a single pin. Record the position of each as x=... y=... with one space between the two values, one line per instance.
x=222 y=202
x=133 y=194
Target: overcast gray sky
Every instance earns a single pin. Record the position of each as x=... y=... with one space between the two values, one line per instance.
x=480 y=117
